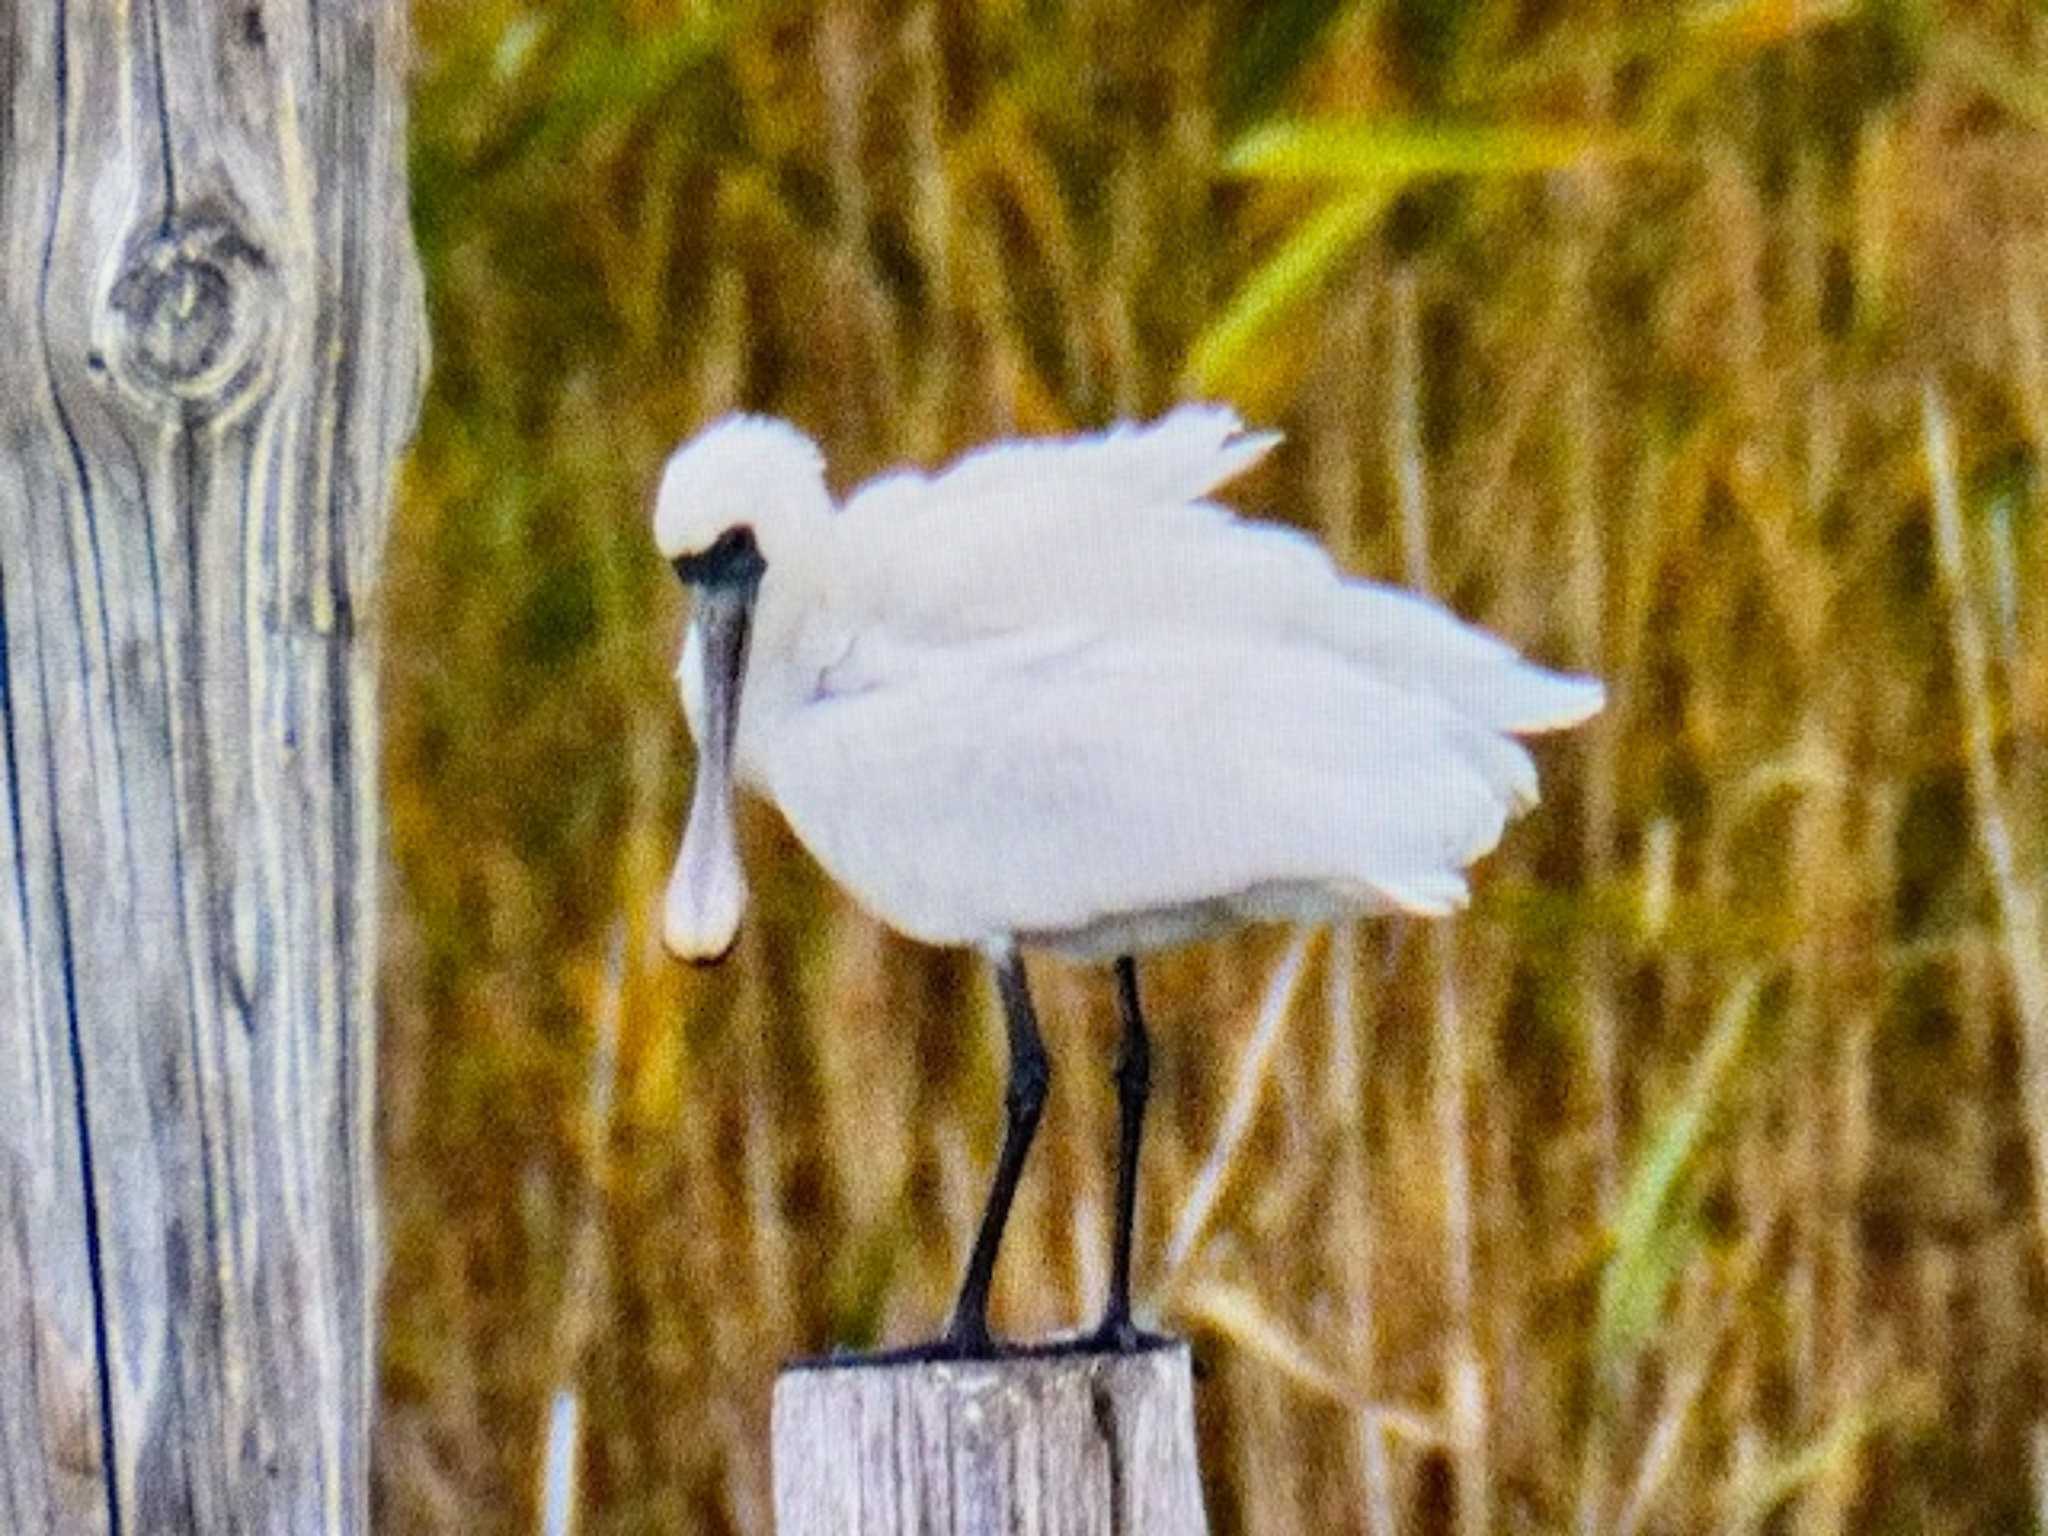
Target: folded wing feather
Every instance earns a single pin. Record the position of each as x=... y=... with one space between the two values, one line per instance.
x=1111 y=530
x=1141 y=773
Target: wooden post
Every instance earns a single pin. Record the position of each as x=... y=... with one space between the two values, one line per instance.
x=1058 y=1445
x=211 y=347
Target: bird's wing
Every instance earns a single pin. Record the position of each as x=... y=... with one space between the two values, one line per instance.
x=1139 y=774
x=1111 y=532
x=1177 y=459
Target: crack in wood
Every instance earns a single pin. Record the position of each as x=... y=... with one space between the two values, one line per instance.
x=1066 y=1443
x=109 y=1461
x=1102 y=1403
x=88 y=1179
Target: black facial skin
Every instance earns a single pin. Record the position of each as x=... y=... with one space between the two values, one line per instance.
x=733 y=560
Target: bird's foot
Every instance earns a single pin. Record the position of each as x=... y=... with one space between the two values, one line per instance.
x=962 y=1341
x=1118 y=1335
x=958 y=1343
x=1120 y=1338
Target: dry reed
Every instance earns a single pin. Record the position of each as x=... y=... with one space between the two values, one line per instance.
x=1513 y=1224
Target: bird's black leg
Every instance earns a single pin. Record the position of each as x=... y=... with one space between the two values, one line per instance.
x=1133 y=1083
x=1030 y=1072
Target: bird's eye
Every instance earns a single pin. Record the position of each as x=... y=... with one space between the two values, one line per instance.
x=734 y=559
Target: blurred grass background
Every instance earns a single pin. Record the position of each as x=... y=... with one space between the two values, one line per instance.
x=1695 y=1180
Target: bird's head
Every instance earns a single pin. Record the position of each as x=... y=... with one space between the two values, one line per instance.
x=731 y=499
x=743 y=479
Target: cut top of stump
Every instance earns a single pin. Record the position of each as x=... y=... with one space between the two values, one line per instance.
x=1043 y=1445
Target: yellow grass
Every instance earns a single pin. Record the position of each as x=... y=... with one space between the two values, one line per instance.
x=1697 y=1180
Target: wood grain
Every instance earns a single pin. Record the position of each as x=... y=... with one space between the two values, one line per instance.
x=1068 y=1445
x=213 y=348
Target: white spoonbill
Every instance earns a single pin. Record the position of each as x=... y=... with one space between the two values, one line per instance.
x=1052 y=696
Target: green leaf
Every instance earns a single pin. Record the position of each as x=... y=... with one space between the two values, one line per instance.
x=1375 y=158
x=1656 y=1225
x=1290 y=275
x=1397 y=150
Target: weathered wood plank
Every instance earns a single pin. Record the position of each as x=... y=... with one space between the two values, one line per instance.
x=214 y=346
x=1065 y=1445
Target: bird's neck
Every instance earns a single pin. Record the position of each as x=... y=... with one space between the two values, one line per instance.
x=799 y=630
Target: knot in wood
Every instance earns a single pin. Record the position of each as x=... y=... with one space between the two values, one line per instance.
x=196 y=304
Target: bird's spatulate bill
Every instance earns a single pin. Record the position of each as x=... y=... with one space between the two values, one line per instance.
x=708 y=891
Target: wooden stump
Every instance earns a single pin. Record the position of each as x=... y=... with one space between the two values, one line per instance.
x=1054 y=1445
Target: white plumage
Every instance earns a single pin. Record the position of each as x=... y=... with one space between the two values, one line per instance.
x=1054 y=695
